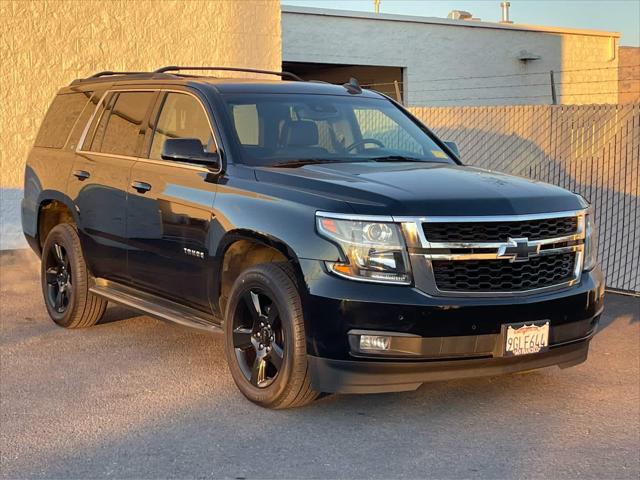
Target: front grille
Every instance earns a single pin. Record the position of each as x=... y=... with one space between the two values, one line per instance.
x=500 y=231
x=502 y=275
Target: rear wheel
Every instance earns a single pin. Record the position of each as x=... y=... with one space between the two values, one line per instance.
x=265 y=339
x=65 y=281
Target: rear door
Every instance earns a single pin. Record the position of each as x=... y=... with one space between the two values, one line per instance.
x=170 y=206
x=100 y=178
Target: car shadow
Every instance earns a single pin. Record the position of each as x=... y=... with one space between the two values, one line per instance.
x=117 y=313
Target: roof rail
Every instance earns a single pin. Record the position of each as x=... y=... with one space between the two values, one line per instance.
x=175 y=68
x=108 y=72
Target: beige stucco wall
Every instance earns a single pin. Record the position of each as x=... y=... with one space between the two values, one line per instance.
x=629 y=75
x=589 y=70
x=45 y=45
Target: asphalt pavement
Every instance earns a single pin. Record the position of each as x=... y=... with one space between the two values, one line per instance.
x=137 y=398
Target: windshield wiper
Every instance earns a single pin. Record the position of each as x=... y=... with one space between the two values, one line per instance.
x=402 y=158
x=301 y=162
x=315 y=161
x=396 y=158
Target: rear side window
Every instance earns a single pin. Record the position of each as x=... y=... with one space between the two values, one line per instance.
x=60 y=119
x=121 y=127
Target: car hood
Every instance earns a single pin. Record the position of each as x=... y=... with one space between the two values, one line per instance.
x=419 y=189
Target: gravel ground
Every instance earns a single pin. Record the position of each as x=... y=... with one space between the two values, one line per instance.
x=137 y=398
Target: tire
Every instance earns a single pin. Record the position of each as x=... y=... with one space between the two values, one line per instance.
x=65 y=281
x=268 y=363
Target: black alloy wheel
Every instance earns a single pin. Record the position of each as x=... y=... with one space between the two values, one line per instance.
x=58 y=277
x=258 y=338
x=265 y=341
x=65 y=280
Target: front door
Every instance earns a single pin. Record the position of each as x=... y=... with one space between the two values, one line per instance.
x=170 y=208
x=100 y=180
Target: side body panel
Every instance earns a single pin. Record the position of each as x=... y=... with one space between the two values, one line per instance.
x=168 y=227
x=169 y=220
x=101 y=203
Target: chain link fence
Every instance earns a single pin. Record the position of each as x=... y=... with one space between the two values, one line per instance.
x=593 y=150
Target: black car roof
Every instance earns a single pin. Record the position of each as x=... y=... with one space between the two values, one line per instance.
x=233 y=86
x=218 y=84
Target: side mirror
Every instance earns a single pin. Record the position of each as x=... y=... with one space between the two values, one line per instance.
x=188 y=150
x=453 y=147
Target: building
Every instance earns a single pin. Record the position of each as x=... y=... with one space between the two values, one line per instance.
x=629 y=75
x=442 y=62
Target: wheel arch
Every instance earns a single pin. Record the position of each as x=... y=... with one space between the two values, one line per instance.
x=240 y=249
x=53 y=208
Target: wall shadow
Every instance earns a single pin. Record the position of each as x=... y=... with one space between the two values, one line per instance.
x=617 y=211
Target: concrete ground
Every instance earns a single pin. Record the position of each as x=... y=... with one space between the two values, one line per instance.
x=137 y=398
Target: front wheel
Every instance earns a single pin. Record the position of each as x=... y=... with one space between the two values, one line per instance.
x=265 y=340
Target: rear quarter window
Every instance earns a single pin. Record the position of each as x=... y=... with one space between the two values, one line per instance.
x=60 y=119
x=121 y=126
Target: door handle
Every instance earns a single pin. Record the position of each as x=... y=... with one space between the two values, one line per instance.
x=81 y=174
x=141 y=187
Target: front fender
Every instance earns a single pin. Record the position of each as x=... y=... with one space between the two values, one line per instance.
x=249 y=206
x=245 y=234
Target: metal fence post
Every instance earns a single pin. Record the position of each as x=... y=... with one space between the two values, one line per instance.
x=398 y=96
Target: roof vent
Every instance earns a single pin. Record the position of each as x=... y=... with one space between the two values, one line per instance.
x=461 y=15
x=505 y=12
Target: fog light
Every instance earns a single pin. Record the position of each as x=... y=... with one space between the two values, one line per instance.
x=375 y=342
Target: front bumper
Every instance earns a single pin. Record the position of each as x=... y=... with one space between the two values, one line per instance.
x=350 y=376
x=449 y=337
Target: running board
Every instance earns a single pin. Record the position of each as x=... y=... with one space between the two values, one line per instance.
x=155 y=306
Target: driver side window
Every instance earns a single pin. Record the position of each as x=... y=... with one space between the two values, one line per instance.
x=374 y=124
x=182 y=116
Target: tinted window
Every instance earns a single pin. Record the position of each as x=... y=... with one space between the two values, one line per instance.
x=247 y=123
x=377 y=125
x=81 y=124
x=122 y=124
x=60 y=118
x=182 y=116
x=92 y=142
x=272 y=129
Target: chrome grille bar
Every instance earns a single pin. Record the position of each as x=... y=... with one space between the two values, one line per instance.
x=421 y=250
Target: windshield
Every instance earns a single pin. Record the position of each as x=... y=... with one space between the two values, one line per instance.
x=288 y=130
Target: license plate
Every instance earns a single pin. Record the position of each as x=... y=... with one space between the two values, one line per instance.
x=526 y=338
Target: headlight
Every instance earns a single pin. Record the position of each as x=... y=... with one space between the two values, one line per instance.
x=374 y=251
x=590 y=241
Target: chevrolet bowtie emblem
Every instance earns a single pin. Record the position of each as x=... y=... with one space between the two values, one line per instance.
x=518 y=249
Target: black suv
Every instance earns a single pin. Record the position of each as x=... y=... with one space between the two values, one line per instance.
x=337 y=243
